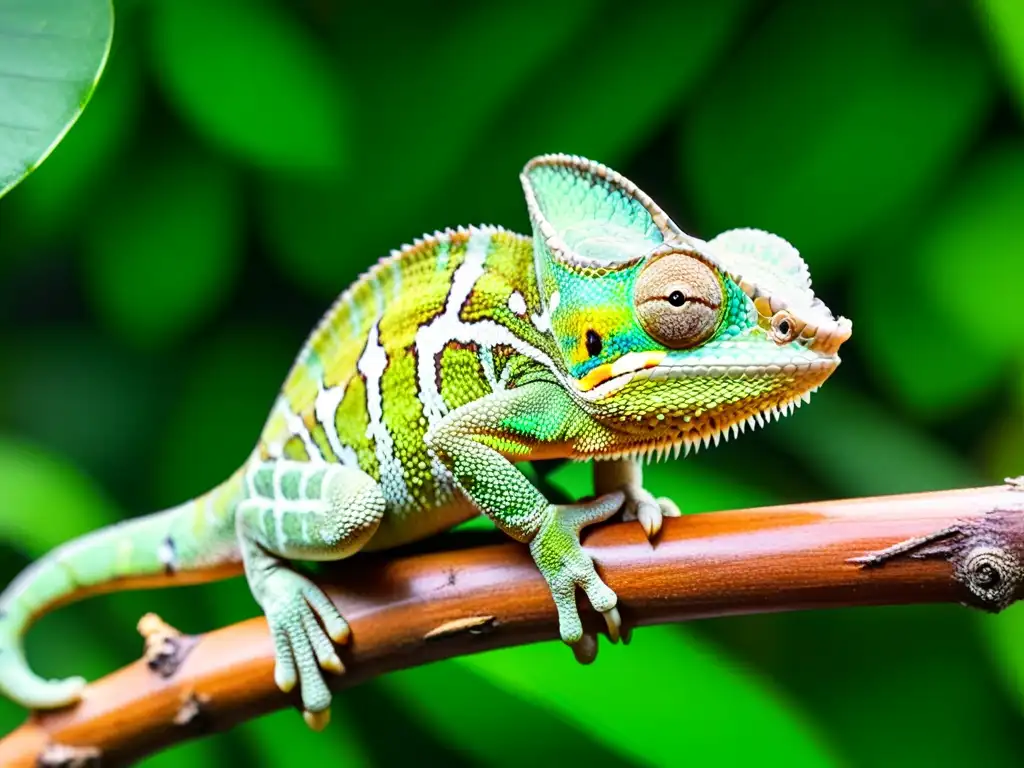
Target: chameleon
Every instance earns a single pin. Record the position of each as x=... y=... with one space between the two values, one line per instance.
x=608 y=334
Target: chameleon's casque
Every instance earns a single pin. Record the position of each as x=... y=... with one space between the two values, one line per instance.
x=609 y=334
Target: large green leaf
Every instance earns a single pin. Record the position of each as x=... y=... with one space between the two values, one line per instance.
x=595 y=106
x=52 y=53
x=430 y=97
x=44 y=501
x=832 y=119
x=920 y=352
x=879 y=681
x=61 y=194
x=35 y=486
x=936 y=327
x=283 y=738
x=164 y=251
x=485 y=722
x=1004 y=634
x=227 y=392
x=104 y=421
x=1004 y=22
x=254 y=82
x=692 y=715
x=972 y=252
x=862 y=449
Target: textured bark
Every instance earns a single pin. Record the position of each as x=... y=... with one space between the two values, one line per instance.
x=954 y=546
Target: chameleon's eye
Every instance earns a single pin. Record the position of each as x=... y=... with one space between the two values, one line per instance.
x=678 y=300
x=785 y=327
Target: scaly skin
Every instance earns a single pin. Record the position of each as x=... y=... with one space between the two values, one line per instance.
x=608 y=335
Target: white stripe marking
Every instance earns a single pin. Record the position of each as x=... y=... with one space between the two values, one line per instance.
x=517 y=303
x=297 y=426
x=432 y=337
x=325 y=408
x=372 y=364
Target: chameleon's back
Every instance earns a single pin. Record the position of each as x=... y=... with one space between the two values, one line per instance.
x=429 y=328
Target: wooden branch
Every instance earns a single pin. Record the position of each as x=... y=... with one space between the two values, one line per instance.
x=952 y=546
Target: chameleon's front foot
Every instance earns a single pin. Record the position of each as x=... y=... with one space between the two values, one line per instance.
x=304 y=625
x=556 y=550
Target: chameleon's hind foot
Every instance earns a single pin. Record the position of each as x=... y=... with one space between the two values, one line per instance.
x=304 y=625
x=626 y=475
x=641 y=505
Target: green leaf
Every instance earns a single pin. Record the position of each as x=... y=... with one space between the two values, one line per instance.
x=283 y=738
x=1002 y=453
x=104 y=421
x=430 y=97
x=879 y=679
x=896 y=322
x=481 y=736
x=164 y=253
x=1003 y=635
x=1004 y=23
x=60 y=193
x=971 y=253
x=939 y=335
x=229 y=388
x=52 y=53
x=35 y=486
x=805 y=134
x=699 y=704
x=596 y=107
x=250 y=79
x=861 y=449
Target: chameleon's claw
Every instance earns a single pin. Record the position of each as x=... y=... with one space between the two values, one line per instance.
x=649 y=515
x=317 y=720
x=333 y=664
x=614 y=622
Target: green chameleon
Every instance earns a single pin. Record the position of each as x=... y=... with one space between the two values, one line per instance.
x=610 y=334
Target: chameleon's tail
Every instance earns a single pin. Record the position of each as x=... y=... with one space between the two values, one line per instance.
x=182 y=545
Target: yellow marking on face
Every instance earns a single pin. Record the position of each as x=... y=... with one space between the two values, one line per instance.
x=628 y=363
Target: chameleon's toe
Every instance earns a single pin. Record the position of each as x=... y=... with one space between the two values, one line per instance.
x=336 y=626
x=298 y=615
x=648 y=513
x=317 y=720
x=668 y=507
x=641 y=505
x=585 y=650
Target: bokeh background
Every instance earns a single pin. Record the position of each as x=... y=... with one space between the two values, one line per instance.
x=243 y=160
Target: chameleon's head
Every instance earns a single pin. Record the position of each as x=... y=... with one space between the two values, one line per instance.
x=669 y=341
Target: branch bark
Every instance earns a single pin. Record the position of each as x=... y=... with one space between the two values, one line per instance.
x=952 y=546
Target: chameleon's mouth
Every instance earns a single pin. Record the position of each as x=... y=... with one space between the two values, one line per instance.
x=608 y=379
x=623 y=368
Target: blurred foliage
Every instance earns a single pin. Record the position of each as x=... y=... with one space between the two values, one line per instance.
x=241 y=162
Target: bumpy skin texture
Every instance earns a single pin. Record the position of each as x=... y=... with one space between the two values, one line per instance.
x=608 y=335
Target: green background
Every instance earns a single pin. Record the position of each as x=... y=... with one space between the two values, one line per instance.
x=243 y=160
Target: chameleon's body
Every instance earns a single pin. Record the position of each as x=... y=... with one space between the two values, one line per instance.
x=609 y=334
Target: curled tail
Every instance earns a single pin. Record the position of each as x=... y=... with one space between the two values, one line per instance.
x=190 y=543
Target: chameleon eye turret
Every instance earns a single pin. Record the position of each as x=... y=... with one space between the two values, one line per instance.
x=678 y=300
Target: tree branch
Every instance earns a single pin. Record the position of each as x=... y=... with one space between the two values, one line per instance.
x=951 y=546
